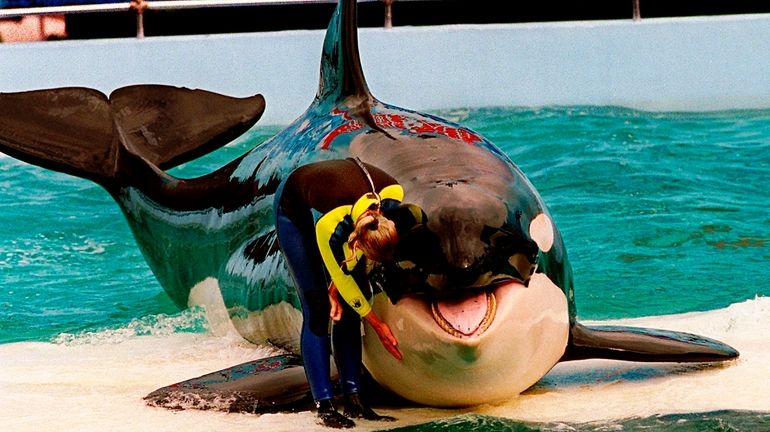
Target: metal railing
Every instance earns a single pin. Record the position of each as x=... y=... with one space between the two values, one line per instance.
x=139 y=6
x=637 y=11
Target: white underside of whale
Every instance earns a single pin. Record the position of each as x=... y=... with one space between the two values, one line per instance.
x=277 y=324
x=526 y=339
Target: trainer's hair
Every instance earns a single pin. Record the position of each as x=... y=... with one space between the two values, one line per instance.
x=375 y=235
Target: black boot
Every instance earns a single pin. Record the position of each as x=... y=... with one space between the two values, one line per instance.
x=329 y=417
x=356 y=408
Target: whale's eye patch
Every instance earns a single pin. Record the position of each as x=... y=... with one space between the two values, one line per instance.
x=541 y=231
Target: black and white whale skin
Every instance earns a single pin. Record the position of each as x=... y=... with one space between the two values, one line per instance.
x=480 y=296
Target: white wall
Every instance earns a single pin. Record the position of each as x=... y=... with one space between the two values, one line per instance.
x=657 y=64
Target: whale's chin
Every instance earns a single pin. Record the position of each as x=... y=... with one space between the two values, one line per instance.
x=475 y=349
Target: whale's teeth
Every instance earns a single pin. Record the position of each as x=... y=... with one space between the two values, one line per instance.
x=467 y=316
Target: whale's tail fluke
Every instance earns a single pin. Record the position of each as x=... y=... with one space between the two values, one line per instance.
x=644 y=345
x=82 y=132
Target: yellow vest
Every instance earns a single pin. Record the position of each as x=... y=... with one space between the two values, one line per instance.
x=326 y=227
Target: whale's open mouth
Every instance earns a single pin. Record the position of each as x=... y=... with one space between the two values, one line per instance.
x=466 y=316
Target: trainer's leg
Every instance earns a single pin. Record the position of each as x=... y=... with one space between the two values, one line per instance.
x=314 y=299
x=314 y=340
x=346 y=340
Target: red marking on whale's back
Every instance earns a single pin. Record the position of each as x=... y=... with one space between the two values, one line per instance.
x=398 y=121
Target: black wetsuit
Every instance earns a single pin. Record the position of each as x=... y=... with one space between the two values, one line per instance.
x=326 y=197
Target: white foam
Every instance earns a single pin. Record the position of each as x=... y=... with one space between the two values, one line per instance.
x=98 y=384
x=98 y=387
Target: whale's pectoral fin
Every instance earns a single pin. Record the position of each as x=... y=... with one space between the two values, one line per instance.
x=170 y=125
x=644 y=345
x=65 y=129
x=272 y=384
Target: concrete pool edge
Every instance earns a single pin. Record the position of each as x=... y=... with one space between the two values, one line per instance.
x=668 y=64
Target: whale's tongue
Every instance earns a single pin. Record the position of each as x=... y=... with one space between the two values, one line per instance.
x=466 y=315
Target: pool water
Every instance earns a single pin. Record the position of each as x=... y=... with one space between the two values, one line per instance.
x=661 y=213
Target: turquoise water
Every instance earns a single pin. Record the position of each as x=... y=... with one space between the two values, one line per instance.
x=717 y=421
x=661 y=213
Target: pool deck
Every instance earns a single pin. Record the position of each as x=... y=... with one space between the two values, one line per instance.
x=666 y=64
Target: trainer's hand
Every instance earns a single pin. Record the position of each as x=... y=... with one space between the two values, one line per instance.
x=386 y=336
x=335 y=312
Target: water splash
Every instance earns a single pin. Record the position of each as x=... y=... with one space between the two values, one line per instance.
x=192 y=320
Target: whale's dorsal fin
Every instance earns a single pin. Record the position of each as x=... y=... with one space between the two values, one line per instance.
x=82 y=132
x=643 y=345
x=342 y=77
x=341 y=72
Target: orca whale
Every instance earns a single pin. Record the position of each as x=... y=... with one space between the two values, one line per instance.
x=480 y=296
